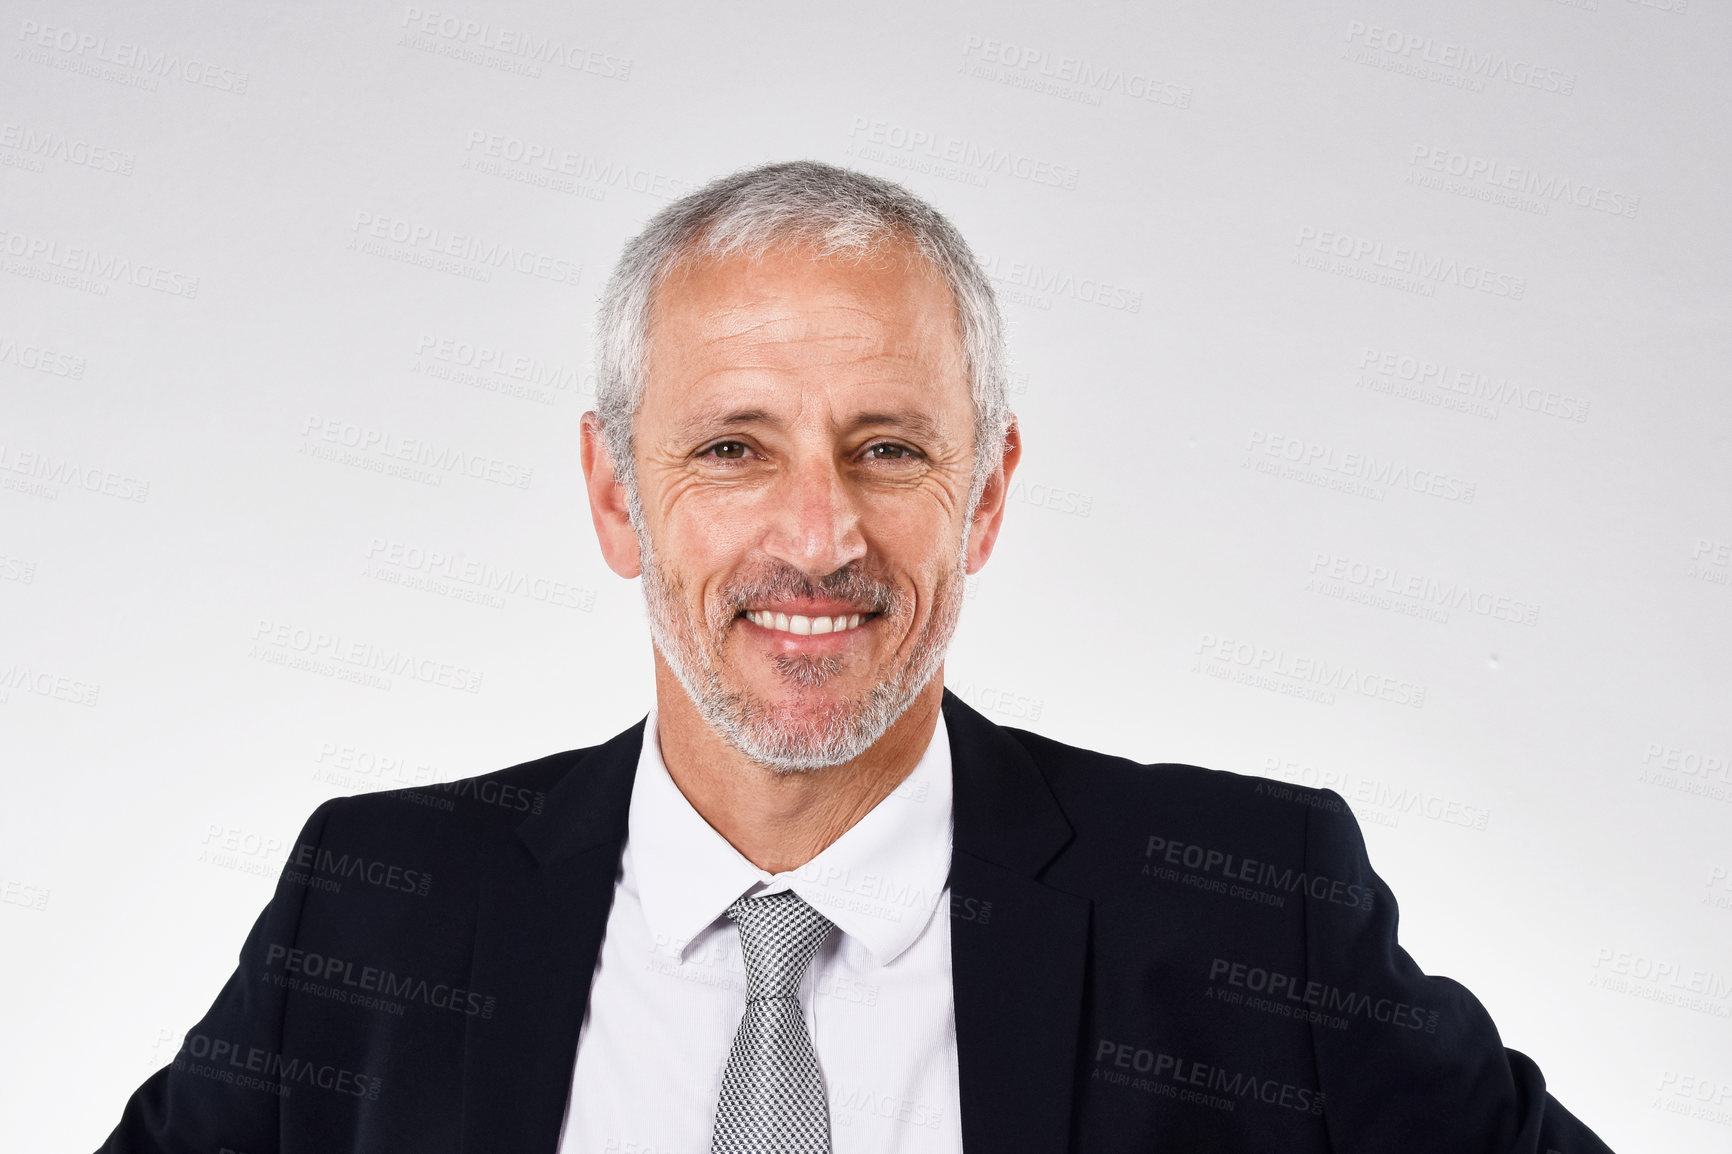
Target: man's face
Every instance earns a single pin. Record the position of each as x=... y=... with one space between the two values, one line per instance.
x=803 y=455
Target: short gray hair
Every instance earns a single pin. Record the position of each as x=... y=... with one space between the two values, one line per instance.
x=839 y=212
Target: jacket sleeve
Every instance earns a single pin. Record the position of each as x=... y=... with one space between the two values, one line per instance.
x=1405 y=1061
x=218 y=1093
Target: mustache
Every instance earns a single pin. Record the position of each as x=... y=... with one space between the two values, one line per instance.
x=853 y=584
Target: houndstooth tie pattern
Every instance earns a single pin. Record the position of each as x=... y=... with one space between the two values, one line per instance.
x=772 y=1096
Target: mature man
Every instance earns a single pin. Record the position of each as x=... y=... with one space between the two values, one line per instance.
x=813 y=902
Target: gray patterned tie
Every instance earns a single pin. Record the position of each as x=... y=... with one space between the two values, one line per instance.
x=772 y=1096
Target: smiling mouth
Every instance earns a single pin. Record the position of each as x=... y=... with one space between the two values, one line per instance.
x=802 y=626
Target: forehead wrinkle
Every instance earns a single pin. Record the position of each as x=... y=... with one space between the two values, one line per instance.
x=895 y=360
x=747 y=318
x=809 y=329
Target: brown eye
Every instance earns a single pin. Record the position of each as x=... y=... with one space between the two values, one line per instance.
x=728 y=450
x=888 y=451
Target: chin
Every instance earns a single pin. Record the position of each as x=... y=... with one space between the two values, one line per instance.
x=796 y=710
x=793 y=730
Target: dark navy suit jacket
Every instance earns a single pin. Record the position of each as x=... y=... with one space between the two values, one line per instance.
x=1144 y=958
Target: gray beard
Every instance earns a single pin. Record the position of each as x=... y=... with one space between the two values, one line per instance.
x=786 y=741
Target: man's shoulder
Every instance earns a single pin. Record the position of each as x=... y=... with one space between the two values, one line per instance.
x=1089 y=783
x=464 y=815
x=1203 y=830
x=1075 y=768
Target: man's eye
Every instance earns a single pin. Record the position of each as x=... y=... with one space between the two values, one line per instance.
x=728 y=450
x=889 y=451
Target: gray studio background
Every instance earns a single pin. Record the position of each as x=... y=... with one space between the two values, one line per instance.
x=1370 y=359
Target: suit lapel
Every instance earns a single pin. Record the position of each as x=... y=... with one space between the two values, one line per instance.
x=1018 y=947
x=541 y=914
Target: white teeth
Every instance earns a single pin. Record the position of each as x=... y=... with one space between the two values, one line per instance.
x=802 y=626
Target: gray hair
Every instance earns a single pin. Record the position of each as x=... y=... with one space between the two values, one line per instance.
x=839 y=212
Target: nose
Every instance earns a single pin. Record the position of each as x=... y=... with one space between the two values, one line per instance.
x=816 y=525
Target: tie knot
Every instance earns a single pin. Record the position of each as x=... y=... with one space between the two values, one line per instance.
x=779 y=934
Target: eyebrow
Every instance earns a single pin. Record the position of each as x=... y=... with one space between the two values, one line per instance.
x=915 y=424
x=705 y=421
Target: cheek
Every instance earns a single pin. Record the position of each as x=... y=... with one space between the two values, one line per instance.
x=703 y=537
x=910 y=518
x=705 y=550
x=922 y=542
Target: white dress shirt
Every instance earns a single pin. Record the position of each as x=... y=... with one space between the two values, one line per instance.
x=669 y=987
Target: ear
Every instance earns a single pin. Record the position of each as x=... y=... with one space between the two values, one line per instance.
x=607 y=504
x=989 y=514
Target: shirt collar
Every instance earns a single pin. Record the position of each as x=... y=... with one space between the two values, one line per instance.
x=879 y=882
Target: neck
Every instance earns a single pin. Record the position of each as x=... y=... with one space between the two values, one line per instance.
x=781 y=821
